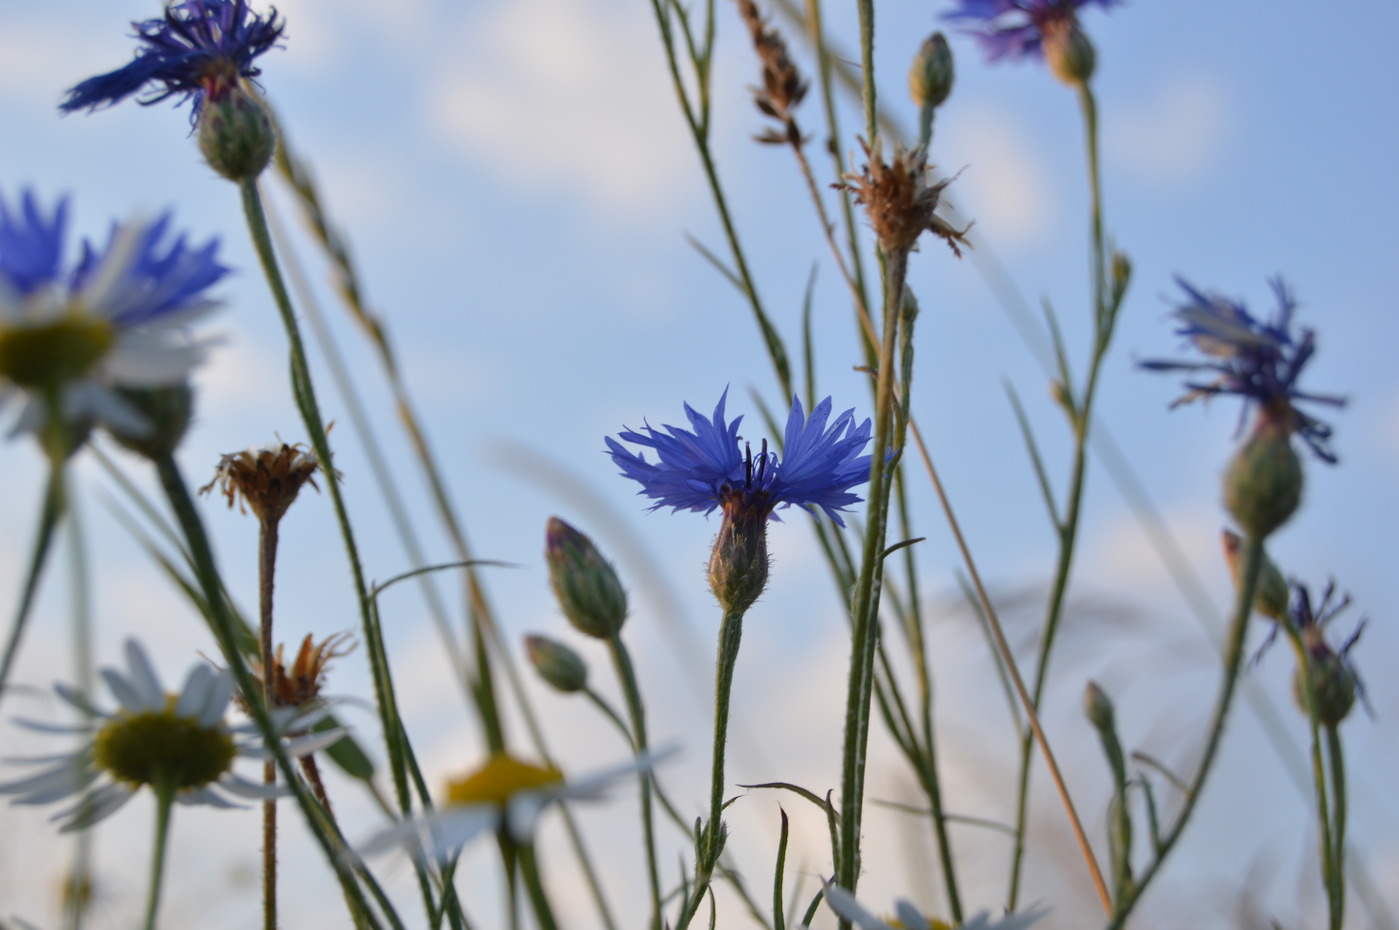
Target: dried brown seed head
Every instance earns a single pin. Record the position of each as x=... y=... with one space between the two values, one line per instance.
x=266 y=480
x=899 y=199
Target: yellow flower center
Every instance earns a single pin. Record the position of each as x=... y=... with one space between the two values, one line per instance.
x=161 y=746
x=498 y=779
x=55 y=352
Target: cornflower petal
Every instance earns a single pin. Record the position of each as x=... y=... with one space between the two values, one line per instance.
x=31 y=247
x=1015 y=29
x=696 y=469
x=194 y=49
x=1258 y=360
x=114 y=321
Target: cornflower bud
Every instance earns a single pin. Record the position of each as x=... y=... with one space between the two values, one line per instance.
x=1333 y=682
x=585 y=584
x=236 y=133
x=559 y=666
x=1263 y=484
x=1270 y=598
x=167 y=411
x=930 y=78
x=738 y=566
x=1068 y=52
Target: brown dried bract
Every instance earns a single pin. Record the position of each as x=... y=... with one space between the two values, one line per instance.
x=783 y=87
x=899 y=200
x=301 y=683
x=266 y=480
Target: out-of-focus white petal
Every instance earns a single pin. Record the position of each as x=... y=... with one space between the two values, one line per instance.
x=253 y=791
x=78 y=700
x=845 y=906
x=194 y=692
x=71 y=775
x=305 y=745
x=216 y=699
x=94 y=806
x=143 y=676
x=523 y=811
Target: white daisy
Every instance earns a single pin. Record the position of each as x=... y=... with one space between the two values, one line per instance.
x=908 y=917
x=115 y=320
x=503 y=794
x=154 y=738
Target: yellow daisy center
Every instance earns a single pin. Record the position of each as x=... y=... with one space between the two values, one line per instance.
x=55 y=352
x=160 y=746
x=498 y=779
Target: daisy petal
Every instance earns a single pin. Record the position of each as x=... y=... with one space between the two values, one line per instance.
x=94 y=806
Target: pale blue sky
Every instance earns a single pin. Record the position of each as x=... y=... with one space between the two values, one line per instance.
x=516 y=186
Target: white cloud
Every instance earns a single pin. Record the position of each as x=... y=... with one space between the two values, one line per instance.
x=1172 y=136
x=1003 y=187
x=567 y=97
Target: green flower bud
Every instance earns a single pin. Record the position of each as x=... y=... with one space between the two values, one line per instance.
x=1271 y=595
x=1263 y=484
x=1068 y=52
x=1097 y=707
x=168 y=411
x=1334 y=682
x=930 y=78
x=585 y=584
x=738 y=566
x=236 y=133
x=557 y=664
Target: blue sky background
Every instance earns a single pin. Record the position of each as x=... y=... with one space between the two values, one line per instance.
x=516 y=185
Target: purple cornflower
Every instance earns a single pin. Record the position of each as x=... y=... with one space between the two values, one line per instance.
x=705 y=469
x=199 y=49
x=1259 y=361
x=1016 y=29
x=115 y=320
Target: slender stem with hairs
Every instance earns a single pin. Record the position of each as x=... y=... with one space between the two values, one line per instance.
x=710 y=842
x=1252 y=562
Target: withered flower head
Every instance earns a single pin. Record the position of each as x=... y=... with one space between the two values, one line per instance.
x=267 y=480
x=900 y=201
x=783 y=87
x=300 y=683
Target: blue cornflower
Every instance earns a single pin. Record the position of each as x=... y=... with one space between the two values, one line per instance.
x=1016 y=29
x=705 y=469
x=115 y=320
x=1259 y=361
x=199 y=49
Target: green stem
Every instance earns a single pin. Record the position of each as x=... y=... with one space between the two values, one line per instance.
x=267 y=567
x=226 y=632
x=626 y=674
x=50 y=511
x=865 y=601
x=164 y=800
x=304 y=392
x=1081 y=416
x=1252 y=562
x=534 y=887
x=699 y=132
x=77 y=895
x=1337 y=891
x=711 y=839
